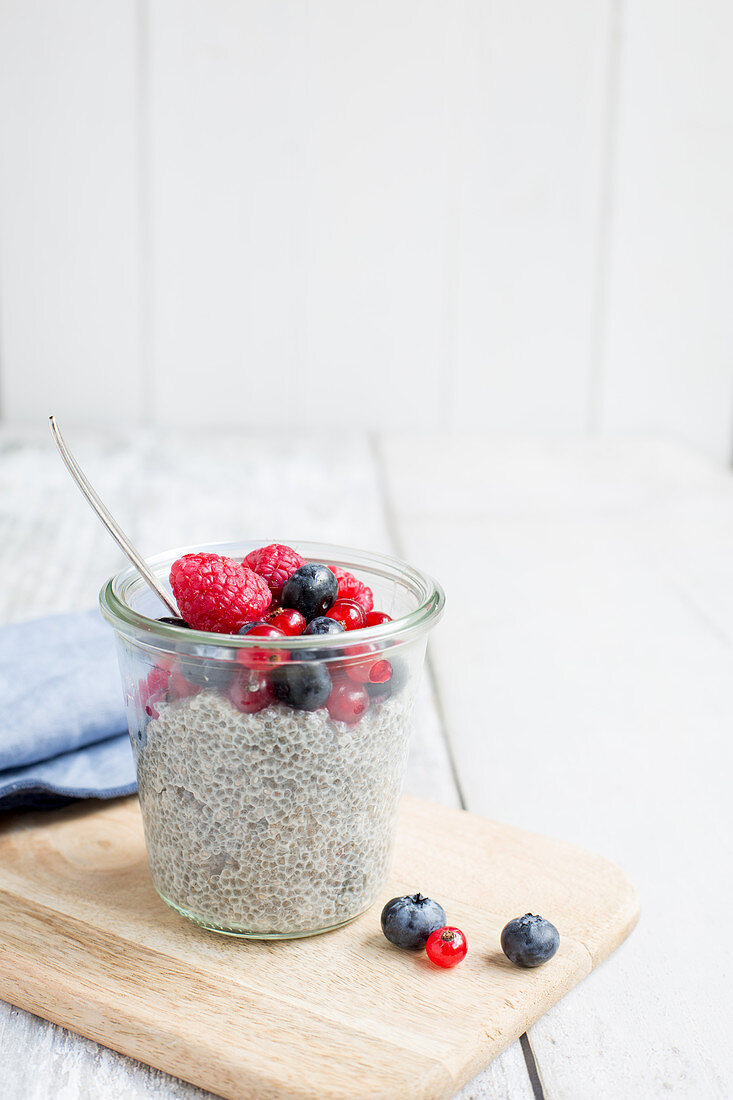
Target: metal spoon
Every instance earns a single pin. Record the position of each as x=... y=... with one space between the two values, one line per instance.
x=109 y=521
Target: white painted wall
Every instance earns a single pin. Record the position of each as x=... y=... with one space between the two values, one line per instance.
x=405 y=213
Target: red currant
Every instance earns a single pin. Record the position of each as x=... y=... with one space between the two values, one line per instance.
x=348 y=703
x=376 y=618
x=290 y=621
x=369 y=669
x=261 y=659
x=250 y=691
x=349 y=613
x=446 y=947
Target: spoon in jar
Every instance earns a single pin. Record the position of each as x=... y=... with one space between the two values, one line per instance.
x=109 y=521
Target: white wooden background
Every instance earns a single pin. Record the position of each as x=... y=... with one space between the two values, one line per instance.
x=403 y=213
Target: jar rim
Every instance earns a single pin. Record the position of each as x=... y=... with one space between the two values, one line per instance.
x=117 y=610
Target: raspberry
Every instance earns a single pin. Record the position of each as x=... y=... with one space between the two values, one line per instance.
x=350 y=588
x=217 y=594
x=275 y=563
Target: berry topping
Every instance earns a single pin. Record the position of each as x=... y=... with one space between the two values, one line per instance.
x=446 y=947
x=376 y=618
x=348 y=703
x=408 y=921
x=261 y=659
x=289 y=620
x=529 y=940
x=351 y=588
x=303 y=685
x=275 y=563
x=207 y=666
x=179 y=687
x=312 y=590
x=323 y=625
x=365 y=666
x=250 y=691
x=215 y=593
x=349 y=613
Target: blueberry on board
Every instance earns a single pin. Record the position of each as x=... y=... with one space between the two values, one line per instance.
x=408 y=921
x=208 y=666
x=171 y=620
x=304 y=686
x=323 y=625
x=311 y=590
x=529 y=940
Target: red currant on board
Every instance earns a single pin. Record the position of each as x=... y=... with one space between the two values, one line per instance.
x=290 y=621
x=348 y=703
x=261 y=659
x=446 y=946
x=349 y=613
x=376 y=618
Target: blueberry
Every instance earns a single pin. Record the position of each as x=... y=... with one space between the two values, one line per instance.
x=311 y=590
x=529 y=940
x=304 y=686
x=208 y=666
x=408 y=921
x=323 y=625
x=169 y=620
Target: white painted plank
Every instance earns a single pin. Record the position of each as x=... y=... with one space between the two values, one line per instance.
x=170 y=487
x=298 y=210
x=531 y=153
x=69 y=255
x=587 y=696
x=669 y=327
x=227 y=210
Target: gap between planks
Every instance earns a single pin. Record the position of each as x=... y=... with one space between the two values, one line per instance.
x=393 y=531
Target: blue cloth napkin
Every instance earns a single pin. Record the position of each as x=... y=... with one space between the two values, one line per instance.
x=63 y=732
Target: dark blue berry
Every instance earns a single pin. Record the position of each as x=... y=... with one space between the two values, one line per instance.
x=208 y=666
x=323 y=625
x=529 y=940
x=311 y=590
x=408 y=921
x=304 y=685
x=171 y=621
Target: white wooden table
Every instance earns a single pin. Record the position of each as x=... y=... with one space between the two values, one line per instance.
x=581 y=685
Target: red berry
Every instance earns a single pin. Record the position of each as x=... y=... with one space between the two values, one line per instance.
x=275 y=563
x=349 y=613
x=366 y=667
x=446 y=947
x=351 y=588
x=217 y=594
x=250 y=691
x=348 y=703
x=290 y=621
x=376 y=618
x=179 y=687
x=262 y=659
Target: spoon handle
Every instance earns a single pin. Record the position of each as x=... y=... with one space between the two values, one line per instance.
x=108 y=519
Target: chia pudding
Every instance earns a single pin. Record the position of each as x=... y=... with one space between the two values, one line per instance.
x=279 y=822
x=270 y=723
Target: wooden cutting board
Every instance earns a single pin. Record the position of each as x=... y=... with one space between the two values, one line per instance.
x=86 y=942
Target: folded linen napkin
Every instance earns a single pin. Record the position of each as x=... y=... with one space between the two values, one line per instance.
x=63 y=732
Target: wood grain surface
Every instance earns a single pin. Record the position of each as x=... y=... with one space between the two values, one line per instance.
x=86 y=942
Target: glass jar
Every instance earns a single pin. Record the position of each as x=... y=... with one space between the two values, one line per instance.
x=265 y=816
